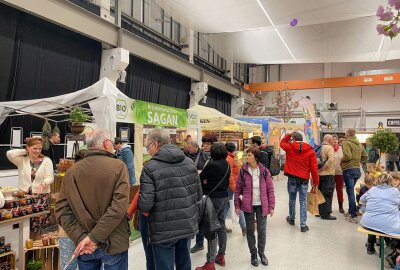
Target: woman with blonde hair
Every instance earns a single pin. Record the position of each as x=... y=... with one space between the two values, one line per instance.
x=35 y=171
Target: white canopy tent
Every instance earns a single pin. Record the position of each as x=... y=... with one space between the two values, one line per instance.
x=211 y=119
x=101 y=98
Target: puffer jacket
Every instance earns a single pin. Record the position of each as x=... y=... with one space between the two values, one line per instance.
x=244 y=187
x=169 y=190
x=234 y=171
x=300 y=161
x=353 y=154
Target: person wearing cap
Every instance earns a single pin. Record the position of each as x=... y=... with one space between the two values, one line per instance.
x=124 y=153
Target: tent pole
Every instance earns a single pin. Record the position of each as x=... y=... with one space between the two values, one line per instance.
x=220 y=128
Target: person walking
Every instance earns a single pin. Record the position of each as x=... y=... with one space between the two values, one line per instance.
x=354 y=155
x=169 y=191
x=232 y=160
x=327 y=178
x=216 y=174
x=124 y=153
x=254 y=185
x=301 y=161
x=339 y=182
x=91 y=207
x=202 y=158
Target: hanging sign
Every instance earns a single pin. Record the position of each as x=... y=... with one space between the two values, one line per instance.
x=146 y=113
x=393 y=122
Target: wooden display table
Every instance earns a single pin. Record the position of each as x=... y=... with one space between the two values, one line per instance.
x=23 y=222
x=51 y=261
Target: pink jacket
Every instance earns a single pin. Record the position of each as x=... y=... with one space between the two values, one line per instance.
x=244 y=187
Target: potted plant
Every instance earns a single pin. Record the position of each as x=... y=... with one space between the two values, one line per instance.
x=385 y=140
x=77 y=117
x=34 y=265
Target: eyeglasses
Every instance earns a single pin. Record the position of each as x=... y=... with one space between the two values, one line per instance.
x=109 y=141
x=148 y=146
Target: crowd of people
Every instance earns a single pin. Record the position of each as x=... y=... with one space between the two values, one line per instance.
x=92 y=204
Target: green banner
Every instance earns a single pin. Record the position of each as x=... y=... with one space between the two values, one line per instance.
x=159 y=115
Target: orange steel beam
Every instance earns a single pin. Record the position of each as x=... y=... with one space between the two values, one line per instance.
x=365 y=80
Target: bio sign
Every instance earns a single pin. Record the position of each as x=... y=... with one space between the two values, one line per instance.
x=159 y=115
x=121 y=109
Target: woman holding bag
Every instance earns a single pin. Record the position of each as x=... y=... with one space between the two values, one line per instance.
x=216 y=174
x=254 y=195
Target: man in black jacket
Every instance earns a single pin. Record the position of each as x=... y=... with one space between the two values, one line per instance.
x=169 y=190
x=54 y=139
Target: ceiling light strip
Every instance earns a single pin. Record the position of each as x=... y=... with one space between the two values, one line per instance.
x=276 y=29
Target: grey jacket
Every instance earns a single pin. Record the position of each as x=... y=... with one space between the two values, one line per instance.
x=169 y=190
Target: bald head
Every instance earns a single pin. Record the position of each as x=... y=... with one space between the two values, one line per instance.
x=328 y=138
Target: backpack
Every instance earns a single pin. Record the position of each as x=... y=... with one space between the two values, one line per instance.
x=270 y=162
x=275 y=167
x=318 y=150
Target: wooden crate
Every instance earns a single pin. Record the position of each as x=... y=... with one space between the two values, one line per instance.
x=10 y=257
x=50 y=255
x=56 y=185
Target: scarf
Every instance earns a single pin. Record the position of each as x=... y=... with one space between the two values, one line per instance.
x=336 y=147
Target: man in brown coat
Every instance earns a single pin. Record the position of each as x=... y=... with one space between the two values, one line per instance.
x=92 y=205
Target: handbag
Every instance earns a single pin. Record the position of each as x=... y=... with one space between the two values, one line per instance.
x=207 y=217
x=320 y=196
x=312 y=203
x=135 y=220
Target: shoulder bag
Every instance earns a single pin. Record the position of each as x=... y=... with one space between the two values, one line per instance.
x=207 y=217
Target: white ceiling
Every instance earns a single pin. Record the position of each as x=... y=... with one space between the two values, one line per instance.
x=327 y=30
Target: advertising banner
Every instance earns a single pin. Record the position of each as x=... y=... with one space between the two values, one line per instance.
x=311 y=126
x=146 y=113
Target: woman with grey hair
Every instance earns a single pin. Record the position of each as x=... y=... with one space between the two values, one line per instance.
x=382 y=210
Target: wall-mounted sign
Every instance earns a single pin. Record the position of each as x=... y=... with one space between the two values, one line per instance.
x=393 y=122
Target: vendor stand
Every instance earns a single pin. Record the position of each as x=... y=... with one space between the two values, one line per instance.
x=226 y=128
x=99 y=100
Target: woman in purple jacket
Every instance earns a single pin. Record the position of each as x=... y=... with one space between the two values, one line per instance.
x=254 y=195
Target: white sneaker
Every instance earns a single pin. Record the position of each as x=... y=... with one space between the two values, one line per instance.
x=347 y=214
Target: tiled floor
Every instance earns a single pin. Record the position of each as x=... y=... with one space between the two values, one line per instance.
x=329 y=245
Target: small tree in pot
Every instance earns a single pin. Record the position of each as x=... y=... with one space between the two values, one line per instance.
x=77 y=117
x=385 y=140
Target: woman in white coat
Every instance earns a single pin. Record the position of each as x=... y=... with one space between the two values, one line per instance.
x=35 y=171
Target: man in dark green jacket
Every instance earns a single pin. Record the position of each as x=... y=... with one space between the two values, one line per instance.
x=353 y=156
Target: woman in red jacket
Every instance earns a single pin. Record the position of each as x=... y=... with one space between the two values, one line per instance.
x=254 y=195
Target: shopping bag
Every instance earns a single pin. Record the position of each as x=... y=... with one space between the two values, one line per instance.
x=232 y=212
x=312 y=203
x=320 y=197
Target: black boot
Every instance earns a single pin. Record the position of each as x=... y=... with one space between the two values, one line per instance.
x=341 y=210
x=370 y=248
x=254 y=259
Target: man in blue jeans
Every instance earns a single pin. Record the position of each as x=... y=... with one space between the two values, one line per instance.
x=170 y=189
x=301 y=161
x=354 y=155
x=92 y=204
